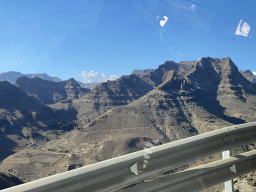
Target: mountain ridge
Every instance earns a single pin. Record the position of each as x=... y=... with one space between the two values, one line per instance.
x=12 y=76
x=134 y=112
x=50 y=92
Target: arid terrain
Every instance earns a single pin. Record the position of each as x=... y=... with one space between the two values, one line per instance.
x=48 y=127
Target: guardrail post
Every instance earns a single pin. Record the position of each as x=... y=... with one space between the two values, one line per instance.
x=229 y=187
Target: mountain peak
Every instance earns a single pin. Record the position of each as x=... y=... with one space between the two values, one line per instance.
x=71 y=79
x=37 y=78
x=13 y=72
x=158 y=76
x=221 y=66
x=122 y=83
x=72 y=82
x=248 y=71
x=131 y=77
x=22 y=80
x=139 y=72
x=219 y=75
x=249 y=75
x=174 y=81
x=169 y=65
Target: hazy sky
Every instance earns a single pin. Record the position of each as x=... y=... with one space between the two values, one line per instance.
x=95 y=40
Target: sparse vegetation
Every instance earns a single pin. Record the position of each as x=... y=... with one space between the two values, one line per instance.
x=58 y=148
x=78 y=123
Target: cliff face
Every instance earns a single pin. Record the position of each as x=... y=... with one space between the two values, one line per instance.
x=232 y=90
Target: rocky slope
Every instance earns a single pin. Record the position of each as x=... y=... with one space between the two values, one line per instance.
x=132 y=113
x=171 y=111
x=108 y=95
x=8 y=180
x=158 y=76
x=174 y=108
x=23 y=118
x=221 y=78
x=249 y=75
x=51 y=92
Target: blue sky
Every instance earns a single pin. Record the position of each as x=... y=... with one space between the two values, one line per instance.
x=95 y=40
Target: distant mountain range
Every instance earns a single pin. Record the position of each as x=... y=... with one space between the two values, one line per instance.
x=42 y=120
x=87 y=85
x=50 y=92
x=12 y=76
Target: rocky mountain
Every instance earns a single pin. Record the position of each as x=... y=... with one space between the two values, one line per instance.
x=12 y=76
x=108 y=95
x=185 y=66
x=249 y=75
x=87 y=85
x=50 y=92
x=23 y=118
x=173 y=110
x=158 y=76
x=175 y=101
x=221 y=78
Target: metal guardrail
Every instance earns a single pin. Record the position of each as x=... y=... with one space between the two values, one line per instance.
x=228 y=185
x=201 y=177
x=116 y=173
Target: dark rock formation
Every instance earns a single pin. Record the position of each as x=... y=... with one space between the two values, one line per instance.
x=26 y=117
x=51 y=92
x=221 y=78
x=158 y=76
x=8 y=180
